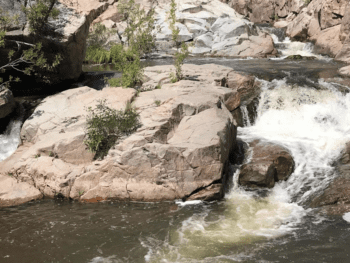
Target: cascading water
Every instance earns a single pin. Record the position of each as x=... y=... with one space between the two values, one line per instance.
x=288 y=48
x=10 y=139
x=314 y=125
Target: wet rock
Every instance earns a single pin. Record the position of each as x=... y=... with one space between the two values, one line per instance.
x=210 y=193
x=336 y=197
x=7 y=102
x=299 y=57
x=15 y=193
x=269 y=163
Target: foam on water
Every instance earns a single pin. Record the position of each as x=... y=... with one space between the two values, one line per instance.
x=313 y=125
x=10 y=139
x=289 y=48
x=346 y=217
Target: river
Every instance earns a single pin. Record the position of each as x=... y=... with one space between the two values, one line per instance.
x=304 y=106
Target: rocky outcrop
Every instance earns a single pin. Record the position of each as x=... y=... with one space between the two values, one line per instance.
x=336 y=198
x=322 y=22
x=181 y=149
x=214 y=28
x=269 y=163
x=15 y=193
x=7 y=102
x=265 y=11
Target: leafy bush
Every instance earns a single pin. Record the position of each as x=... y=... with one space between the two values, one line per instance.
x=39 y=13
x=138 y=32
x=105 y=125
x=27 y=53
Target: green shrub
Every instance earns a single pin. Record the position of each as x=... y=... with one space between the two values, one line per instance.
x=157 y=102
x=182 y=48
x=97 y=54
x=105 y=125
x=38 y=14
x=30 y=54
x=139 y=27
x=128 y=62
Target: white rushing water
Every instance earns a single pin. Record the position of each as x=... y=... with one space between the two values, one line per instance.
x=314 y=126
x=289 y=48
x=10 y=139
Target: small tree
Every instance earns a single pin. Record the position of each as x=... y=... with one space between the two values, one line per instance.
x=28 y=57
x=139 y=41
x=182 y=48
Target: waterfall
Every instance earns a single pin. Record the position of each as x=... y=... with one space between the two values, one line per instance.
x=245 y=116
x=10 y=139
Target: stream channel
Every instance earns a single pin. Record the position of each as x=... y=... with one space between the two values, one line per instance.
x=304 y=106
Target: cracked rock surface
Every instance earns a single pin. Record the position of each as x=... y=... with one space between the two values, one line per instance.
x=182 y=146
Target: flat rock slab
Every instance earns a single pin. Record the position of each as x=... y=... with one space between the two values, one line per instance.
x=16 y=193
x=270 y=163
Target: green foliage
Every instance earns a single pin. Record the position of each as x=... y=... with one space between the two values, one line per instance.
x=126 y=60
x=138 y=32
x=81 y=192
x=157 y=102
x=38 y=14
x=139 y=41
x=99 y=35
x=97 y=54
x=106 y=125
x=307 y=2
x=182 y=48
x=26 y=53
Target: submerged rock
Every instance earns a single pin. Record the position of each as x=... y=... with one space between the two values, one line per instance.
x=269 y=163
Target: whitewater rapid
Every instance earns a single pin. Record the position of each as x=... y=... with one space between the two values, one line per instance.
x=313 y=124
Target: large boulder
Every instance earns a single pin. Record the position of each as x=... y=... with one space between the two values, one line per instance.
x=336 y=197
x=323 y=23
x=246 y=46
x=269 y=163
x=7 y=102
x=181 y=149
x=245 y=87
